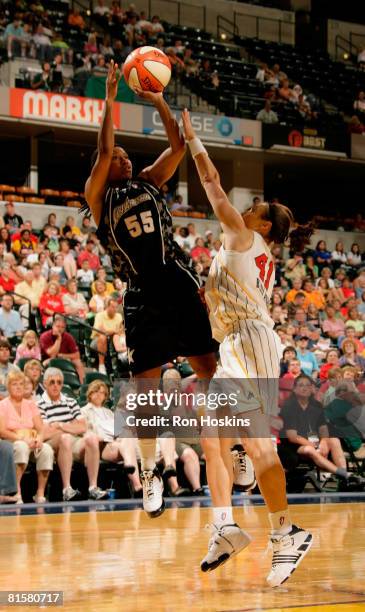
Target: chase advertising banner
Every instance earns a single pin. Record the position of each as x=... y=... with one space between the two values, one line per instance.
x=214 y=128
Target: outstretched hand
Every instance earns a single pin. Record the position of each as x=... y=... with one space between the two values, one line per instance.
x=187 y=125
x=151 y=96
x=112 y=81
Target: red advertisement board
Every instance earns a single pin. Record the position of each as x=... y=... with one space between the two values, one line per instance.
x=54 y=107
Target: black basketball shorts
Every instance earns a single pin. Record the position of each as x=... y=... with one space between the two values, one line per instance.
x=165 y=319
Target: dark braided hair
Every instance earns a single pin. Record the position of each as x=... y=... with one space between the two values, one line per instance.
x=282 y=219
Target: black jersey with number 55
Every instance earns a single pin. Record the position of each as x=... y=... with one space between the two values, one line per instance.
x=136 y=231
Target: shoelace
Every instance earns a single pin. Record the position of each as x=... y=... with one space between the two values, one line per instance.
x=148 y=478
x=242 y=461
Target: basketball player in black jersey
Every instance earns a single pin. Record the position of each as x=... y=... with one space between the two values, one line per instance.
x=163 y=314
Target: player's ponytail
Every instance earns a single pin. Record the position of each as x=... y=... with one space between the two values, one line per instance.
x=282 y=221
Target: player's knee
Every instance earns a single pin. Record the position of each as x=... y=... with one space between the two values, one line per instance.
x=211 y=448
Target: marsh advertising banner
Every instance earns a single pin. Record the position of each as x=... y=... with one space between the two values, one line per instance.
x=214 y=128
x=54 y=107
x=305 y=138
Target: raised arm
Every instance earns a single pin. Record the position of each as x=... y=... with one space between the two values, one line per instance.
x=95 y=184
x=238 y=236
x=165 y=166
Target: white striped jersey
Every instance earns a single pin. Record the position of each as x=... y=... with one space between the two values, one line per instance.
x=60 y=411
x=239 y=287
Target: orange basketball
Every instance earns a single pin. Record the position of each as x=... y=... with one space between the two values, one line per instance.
x=147 y=68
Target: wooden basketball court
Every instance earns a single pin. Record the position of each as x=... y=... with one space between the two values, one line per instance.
x=121 y=560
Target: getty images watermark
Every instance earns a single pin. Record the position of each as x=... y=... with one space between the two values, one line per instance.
x=159 y=401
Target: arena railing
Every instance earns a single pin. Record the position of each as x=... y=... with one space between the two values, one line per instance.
x=345 y=46
x=259 y=21
x=29 y=303
x=84 y=342
x=223 y=28
x=179 y=8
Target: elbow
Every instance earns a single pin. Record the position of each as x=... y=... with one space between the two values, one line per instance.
x=211 y=179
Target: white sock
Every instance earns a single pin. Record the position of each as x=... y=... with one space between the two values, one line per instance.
x=280 y=522
x=223 y=516
x=148 y=453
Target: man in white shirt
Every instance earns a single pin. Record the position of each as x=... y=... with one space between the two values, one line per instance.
x=191 y=238
x=101 y=9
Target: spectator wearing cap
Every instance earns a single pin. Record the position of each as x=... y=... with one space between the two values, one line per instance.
x=23 y=426
x=88 y=253
x=308 y=362
x=10 y=321
x=57 y=342
x=64 y=430
x=107 y=324
x=11 y=219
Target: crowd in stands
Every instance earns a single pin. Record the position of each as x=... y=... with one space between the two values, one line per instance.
x=75 y=46
x=62 y=347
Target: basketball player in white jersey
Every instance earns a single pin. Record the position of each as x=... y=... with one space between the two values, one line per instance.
x=238 y=293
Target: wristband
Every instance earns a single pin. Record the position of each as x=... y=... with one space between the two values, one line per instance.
x=196 y=147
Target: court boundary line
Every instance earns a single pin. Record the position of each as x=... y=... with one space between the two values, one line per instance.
x=311 y=605
x=116 y=505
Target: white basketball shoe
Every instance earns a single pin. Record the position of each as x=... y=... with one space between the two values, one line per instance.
x=288 y=552
x=243 y=471
x=153 y=502
x=225 y=542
